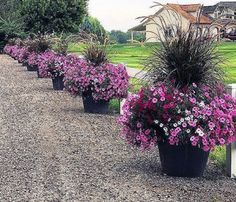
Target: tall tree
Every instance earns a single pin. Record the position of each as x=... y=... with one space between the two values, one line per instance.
x=11 y=24
x=92 y=25
x=48 y=16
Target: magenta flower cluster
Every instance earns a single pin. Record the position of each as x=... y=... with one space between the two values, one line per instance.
x=106 y=81
x=19 y=53
x=51 y=64
x=193 y=115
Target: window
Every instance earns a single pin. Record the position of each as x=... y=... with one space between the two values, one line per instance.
x=168 y=32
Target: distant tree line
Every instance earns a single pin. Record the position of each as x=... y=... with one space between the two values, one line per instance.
x=117 y=36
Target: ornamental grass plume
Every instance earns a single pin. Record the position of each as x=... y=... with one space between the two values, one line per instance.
x=185 y=55
x=95 y=54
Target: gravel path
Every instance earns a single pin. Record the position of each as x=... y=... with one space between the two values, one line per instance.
x=51 y=151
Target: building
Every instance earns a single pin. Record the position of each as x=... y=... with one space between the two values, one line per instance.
x=222 y=10
x=216 y=20
x=173 y=14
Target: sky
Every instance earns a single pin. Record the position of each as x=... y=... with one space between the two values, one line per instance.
x=122 y=14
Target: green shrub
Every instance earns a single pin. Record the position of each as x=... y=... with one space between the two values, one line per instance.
x=9 y=28
x=49 y=16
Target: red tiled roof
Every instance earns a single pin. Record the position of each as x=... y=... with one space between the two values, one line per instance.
x=185 y=10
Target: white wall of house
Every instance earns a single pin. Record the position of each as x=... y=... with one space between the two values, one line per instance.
x=170 y=18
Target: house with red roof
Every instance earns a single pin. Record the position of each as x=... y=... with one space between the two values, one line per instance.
x=185 y=16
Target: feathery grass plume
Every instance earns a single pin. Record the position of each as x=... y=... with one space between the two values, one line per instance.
x=60 y=43
x=187 y=54
x=96 y=54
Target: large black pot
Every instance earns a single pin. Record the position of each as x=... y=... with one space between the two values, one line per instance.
x=32 y=68
x=93 y=106
x=38 y=74
x=182 y=160
x=24 y=63
x=58 y=83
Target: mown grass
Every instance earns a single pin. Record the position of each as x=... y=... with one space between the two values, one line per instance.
x=219 y=156
x=133 y=55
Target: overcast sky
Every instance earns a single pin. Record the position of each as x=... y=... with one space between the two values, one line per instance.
x=121 y=14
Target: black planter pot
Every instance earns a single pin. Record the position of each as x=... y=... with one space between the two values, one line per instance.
x=92 y=106
x=182 y=160
x=24 y=63
x=32 y=68
x=39 y=76
x=58 y=83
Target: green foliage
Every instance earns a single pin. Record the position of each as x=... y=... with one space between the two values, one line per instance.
x=219 y=156
x=48 y=16
x=9 y=8
x=92 y=26
x=117 y=36
x=11 y=24
x=9 y=28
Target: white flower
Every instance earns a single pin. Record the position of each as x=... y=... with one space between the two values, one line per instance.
x=182 y=120
x=175 y=125
x=179 y=123
x=165 y=129
x=188 y=131
x=179 y=111
x=201 y=134
x=187 y=119
x=161 y=125
x=156 y=121
x=201 y=104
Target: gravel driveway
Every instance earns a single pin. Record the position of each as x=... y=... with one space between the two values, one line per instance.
x=51 y=151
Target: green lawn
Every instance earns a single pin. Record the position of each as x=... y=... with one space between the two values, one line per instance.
x=133 y=55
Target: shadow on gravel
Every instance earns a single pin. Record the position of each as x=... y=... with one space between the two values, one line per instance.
x=140 y=166
x=80 y=111
x=150 y=168
x=75 y=111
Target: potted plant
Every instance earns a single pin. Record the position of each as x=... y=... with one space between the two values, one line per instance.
x=185 y=111
x=96 y=80
x=36 y=47
x=23 y=55
x=52 y=65
x=32 y=62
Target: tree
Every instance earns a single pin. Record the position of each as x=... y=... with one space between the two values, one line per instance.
x=9 y=8
x=49 y=16
x=92 y=25
x=11 y=24
x=118 y=36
